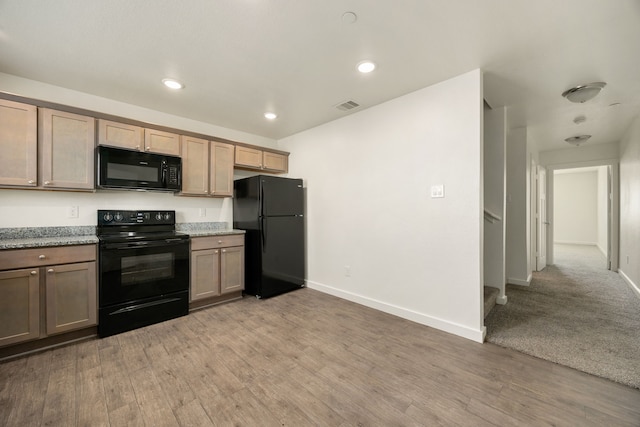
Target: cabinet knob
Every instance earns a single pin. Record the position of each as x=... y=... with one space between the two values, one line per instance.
x=33 y=273
x=215 y=252
x=147 y=149
x=224 y=251
x=219 y=241
x=50 y=270
x=47 y=182
x=31 y=181
x=42 y=256
x=137 y=147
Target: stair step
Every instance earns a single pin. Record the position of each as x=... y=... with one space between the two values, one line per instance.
x=490 y=295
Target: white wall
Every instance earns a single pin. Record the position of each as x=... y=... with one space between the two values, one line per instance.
x=369 y=210
x=576 y=207
x=517 y=221
x=31 y=208
x=494 y=159
x=630 y=206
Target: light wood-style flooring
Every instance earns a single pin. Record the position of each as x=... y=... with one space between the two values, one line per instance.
x=303 y=358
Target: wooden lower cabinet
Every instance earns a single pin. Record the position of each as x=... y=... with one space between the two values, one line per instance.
x=19 y=306
x=44 y=300
x=217 y=266
x=71 y=295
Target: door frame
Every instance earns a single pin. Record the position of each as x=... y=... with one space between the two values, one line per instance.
x=613 y=214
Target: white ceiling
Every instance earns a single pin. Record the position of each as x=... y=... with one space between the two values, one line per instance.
x=240 y=58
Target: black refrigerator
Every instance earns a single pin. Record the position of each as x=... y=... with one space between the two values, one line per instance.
x=271 y=210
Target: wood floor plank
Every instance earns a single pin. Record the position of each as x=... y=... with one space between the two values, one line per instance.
x=302 y=358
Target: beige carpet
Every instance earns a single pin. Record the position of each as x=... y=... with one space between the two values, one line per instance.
x=575 y=313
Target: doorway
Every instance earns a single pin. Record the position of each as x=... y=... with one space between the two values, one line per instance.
x=582 y=209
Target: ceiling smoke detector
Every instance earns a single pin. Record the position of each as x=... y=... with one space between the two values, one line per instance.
x=583 y=93
x=577 y=140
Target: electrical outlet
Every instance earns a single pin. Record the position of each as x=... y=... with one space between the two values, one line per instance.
x=347 y=270
x=72 y=212
x=203 y=212
x=437 y=191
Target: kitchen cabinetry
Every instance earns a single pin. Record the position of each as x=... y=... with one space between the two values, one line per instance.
x=66 y=150
x=252 y=158
x=207 y=167
x=217 y=266
x=46 y=291
x=121 y=135
x=18 y=144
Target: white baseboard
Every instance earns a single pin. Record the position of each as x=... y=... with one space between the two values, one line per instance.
x=634 y=287
x=520 y=282
x=414 y=316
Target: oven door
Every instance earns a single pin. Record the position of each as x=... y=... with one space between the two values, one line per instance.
x=131 y=271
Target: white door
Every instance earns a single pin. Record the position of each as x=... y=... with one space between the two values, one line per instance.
x=541 y=260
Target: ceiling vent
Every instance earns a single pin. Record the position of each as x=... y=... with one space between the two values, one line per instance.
x=347 y=105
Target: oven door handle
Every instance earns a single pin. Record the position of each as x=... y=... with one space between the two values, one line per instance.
x=145 y=244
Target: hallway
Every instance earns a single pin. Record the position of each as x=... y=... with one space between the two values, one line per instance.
x=575 y=313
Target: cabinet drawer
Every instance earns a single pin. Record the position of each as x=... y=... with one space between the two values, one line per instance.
x=36 y=257
x=213 y=242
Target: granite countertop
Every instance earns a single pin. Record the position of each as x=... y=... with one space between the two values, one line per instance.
x=201 y=229
x=36 y=237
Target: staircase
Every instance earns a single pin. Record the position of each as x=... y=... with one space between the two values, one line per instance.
x=490 y=295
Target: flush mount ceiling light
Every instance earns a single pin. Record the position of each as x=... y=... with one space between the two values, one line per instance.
x=172 y=83
x=580 y=119
x=366 y=66
x=577 y=140
x=583 y=93
x=270 y=116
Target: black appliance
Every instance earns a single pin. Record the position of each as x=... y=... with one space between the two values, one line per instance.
x=143 y=270
x=136 y=170
x=271 y=210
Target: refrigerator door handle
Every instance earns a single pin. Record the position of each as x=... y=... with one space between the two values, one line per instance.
x=263 y=225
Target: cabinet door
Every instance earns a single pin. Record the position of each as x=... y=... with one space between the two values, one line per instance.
x=19 y=306
x=274 y=162
x=120 y=135
x=205 y=274
x=66 y=145
x=157 y=141
x=71 y=297
x=231 y=269
x=195 y=166
x=222 y=169
x=18 y=144
x=248 y=157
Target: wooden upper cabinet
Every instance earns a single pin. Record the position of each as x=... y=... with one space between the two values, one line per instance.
x=222 y=160
x=157 y=141
x=66 y=144
x=248 y=157
x=120 y=135
x=275 y=162
x=195 y=166
x=18 y=144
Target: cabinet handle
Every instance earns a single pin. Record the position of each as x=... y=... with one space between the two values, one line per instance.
x=42 y=256
x=50 y=270
x=33 y=273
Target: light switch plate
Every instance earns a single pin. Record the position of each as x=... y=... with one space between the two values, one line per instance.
x=437 y=191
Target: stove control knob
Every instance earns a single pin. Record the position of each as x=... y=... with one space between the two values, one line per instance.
x=159 y=216
x=107 y=217
x=118 y=216
x=167 y=216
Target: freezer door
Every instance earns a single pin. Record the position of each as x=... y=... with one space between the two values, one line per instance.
x=281 y=196
x=283 y=259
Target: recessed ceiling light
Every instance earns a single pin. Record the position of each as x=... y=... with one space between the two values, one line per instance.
x=349 y=17
x=577 y=140
x=270 y=116
x=583 y=93
x=366 y=66
x=172 y=84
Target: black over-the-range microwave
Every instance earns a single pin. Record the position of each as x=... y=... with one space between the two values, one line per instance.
x=136 y=170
